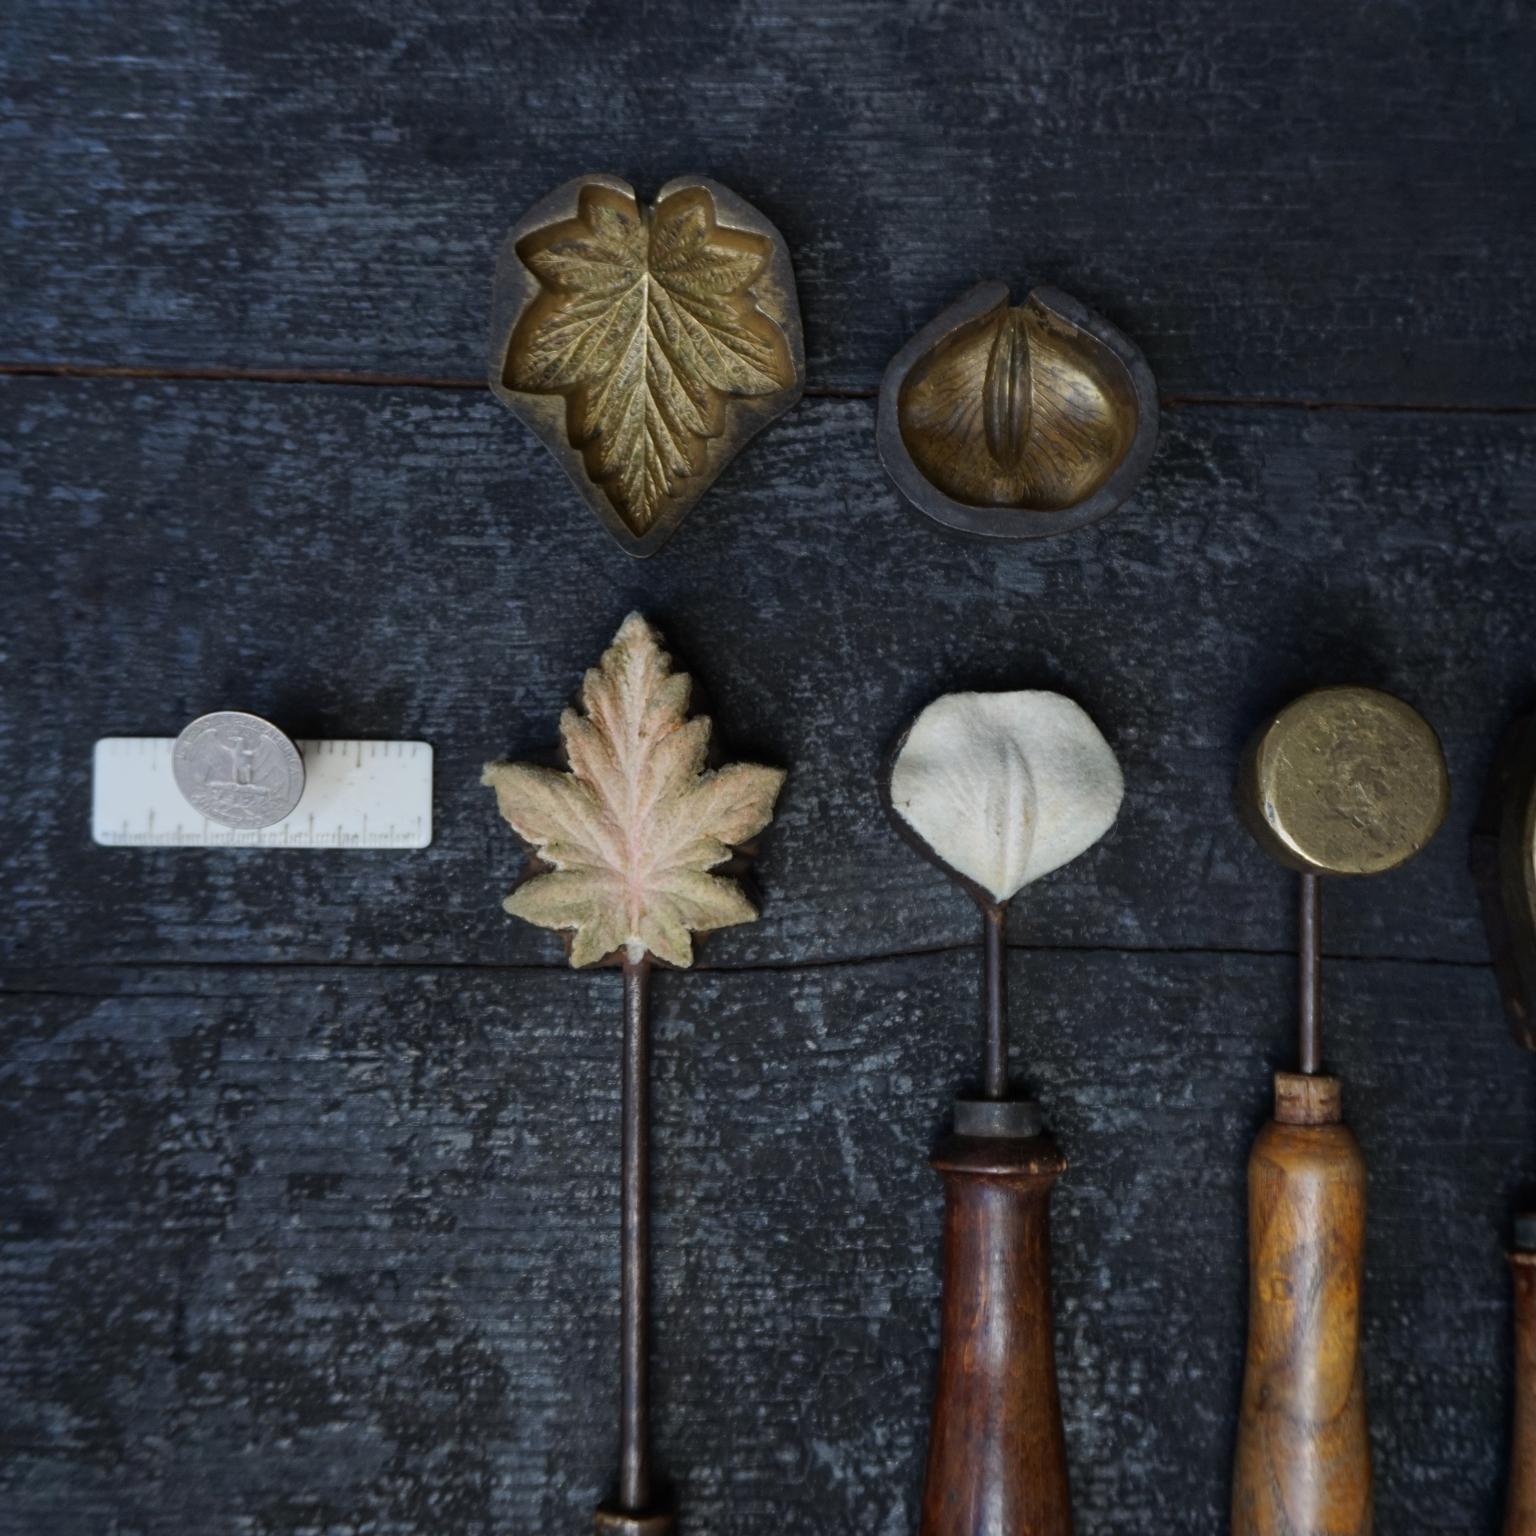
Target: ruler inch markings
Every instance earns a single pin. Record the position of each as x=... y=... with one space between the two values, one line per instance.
x=134 y=798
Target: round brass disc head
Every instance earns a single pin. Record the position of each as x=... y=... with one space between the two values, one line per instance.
x=1344 y=781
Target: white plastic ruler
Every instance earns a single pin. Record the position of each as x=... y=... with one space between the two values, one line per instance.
x=357 y=794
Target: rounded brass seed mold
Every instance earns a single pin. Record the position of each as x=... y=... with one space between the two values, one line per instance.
x=1008 y=421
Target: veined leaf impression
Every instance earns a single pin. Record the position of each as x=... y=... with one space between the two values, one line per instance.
x=631 y=832
x=1002 y=788
x=647 y=322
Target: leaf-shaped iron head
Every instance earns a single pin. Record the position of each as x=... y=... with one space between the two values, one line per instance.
x=645 y=346
x=630 y=832
x=999 y=789
x=1015 y=422
x=1344 y=781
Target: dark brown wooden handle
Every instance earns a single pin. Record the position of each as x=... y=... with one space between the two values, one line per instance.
x=997 y=1462
x=1520 y=1503
x=1303 y=1448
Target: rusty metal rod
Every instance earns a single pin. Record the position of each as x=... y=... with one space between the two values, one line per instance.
x=1309 y=978
x=635 y=1240
x=994 y=922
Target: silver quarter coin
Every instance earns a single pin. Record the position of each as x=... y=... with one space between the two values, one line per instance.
x=238 y=770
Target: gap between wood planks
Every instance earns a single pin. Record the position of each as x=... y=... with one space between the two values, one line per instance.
x=173 y=374
x=45 y=980
x=364 y=380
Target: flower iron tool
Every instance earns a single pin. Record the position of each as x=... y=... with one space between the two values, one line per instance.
x=997 y=790
x=1504 y=867
x=1344 y=781
x=626 y=844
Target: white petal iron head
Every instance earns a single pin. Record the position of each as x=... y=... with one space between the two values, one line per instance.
x=1002 y=788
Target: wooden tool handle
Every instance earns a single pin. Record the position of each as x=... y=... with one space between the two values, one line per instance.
x=1303 y=1449
x=610 y=1521
x=997 y=1463
x=1520 y=1505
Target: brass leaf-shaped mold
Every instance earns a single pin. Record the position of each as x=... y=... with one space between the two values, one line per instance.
x=1016 y=422
x=645 y=345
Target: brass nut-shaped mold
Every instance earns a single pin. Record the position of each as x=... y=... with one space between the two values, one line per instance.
x=645 y=345
x=1012 y=421
x=1344 y=781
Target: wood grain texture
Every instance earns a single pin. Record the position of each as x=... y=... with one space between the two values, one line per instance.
x=301 y=1161
x=997 y=1459
x=363 y=562
x=287 y=1248
x=1520 y=1500
x=1303 y=1463
x=1300 y=200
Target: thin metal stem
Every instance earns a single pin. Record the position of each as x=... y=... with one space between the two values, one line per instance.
x=994 y=924
x=634 y=1321
x=1309 y=979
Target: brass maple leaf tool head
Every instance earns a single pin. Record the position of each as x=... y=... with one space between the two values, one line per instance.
x=645 y=346
x=631 y=833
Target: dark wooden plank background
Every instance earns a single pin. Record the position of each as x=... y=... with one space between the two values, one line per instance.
x=308 y=1163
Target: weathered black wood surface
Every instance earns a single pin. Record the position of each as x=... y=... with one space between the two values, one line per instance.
x=308 y=1162
x=311 y=1250
x=1303 y=199
x=409 y=563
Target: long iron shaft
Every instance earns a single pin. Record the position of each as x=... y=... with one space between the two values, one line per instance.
x=1309 y=991
x=634 y=1322
x=994 y=922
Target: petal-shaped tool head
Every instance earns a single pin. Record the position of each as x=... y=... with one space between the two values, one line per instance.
x=999 y=789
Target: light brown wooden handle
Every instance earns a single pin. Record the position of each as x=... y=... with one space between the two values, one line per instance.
x=1520 y=1502
x=997 y=1463
x=1303 y=1447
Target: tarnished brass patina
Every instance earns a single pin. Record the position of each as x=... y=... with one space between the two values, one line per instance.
x=1017 y=421
x=1344 y=781
x=1504 y=866
x=645 y=346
